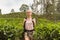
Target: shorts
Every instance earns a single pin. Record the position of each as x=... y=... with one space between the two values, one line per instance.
x=29 y=34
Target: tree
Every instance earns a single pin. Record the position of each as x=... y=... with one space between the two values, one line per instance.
x=37 y=9
x=12 y=10
x=24 y=7
x=0 y=11
x=58 y=6
x=50 y=8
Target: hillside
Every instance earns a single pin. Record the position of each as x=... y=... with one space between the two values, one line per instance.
x=11 y=27
x=14 y=15
x=54 y=17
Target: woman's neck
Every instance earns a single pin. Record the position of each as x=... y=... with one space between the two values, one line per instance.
x=29 y=16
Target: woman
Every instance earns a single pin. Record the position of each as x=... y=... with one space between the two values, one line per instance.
x=29 y=24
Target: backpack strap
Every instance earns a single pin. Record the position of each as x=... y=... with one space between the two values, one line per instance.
x=24 y=25
x=32 y=21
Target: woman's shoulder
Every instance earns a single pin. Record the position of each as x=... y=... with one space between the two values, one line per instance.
x=24 y=19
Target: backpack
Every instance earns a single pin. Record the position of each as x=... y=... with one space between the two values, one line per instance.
x=25 y=22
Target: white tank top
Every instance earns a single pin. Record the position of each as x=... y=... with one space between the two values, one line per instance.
x=29 y=25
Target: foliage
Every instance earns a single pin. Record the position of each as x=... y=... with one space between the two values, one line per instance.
x=44 y=29
x=11 y=27
x=49 y=8
x=0 y=11
x=12 y=10
x=58 y=6
x=24 y=7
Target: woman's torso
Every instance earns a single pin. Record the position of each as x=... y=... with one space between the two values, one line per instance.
x=29 y=24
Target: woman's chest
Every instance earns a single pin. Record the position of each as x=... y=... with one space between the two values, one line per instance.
x=29 y=22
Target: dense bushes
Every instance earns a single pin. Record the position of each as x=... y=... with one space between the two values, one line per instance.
x=9 y=32
x=47 y=30
x=44 y=30
x=11 y=27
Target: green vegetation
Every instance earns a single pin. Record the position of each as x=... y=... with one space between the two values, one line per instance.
x=11 y=27
x=24 y=7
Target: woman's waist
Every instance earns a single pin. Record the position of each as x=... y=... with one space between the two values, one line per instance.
x=29 y=30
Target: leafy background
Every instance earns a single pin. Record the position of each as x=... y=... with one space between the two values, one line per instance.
x=11 y=26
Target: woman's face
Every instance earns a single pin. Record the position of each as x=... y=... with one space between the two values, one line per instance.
x=28 y=12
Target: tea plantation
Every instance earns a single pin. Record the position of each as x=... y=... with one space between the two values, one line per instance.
x=11 y=27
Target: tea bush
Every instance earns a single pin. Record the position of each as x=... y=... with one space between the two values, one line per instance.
x=12 y=29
